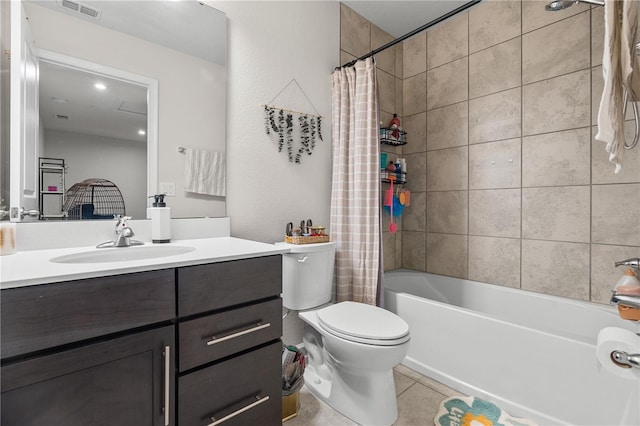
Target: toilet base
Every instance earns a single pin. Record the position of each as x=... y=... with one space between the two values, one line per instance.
x=367 y=399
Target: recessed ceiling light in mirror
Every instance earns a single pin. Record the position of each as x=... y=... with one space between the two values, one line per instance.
x=100 y=86
x=142 y=132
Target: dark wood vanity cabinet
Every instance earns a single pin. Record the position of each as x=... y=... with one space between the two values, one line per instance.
x=124 y=381
x=229 y=327
x=197 y=345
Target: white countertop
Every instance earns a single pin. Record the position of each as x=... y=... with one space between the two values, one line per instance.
x=33 y=267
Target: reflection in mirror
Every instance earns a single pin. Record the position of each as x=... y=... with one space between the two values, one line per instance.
x=96 y=126
x=181 y=45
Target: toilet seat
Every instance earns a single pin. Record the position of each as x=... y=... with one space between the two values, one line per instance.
x=362 y=323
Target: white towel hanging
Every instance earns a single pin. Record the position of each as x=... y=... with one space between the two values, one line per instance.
x=204 y=172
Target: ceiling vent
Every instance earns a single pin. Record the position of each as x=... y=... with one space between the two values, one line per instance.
x=80 y=8
x=62 y=117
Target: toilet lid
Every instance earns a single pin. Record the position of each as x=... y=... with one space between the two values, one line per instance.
x=364 y=323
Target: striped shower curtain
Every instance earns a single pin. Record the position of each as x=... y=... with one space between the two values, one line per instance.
x=355 y=194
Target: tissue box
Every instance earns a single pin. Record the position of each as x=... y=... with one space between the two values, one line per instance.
x=290 y=405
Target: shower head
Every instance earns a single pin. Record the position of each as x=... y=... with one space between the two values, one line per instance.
x=563 y=4
x=559 y=5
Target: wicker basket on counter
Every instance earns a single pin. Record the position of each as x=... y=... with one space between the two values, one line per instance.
x=312 y=239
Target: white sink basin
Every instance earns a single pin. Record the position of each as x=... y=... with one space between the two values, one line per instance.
x=122 y=254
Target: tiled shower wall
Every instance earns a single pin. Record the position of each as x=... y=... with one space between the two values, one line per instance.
x=508 y=183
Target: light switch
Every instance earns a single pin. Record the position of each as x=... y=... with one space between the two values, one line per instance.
x=168 y=188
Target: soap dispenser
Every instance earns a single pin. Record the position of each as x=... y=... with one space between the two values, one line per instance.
x=160 y=216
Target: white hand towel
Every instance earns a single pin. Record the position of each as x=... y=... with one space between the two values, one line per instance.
x=610 y=118
x=204 y=172
x=621 y=70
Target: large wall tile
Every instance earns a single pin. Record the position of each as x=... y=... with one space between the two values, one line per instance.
x=355 y=32
x=603 y=170
x=616 y=214
x=556 y=213
x=448 y=126
x=560 y=269
x=399 y=98
x=385 y=60
x=414 y=250
x=496 y=116
x=560 y=158
x=535 y=16
x=389 y=251
x=386 y=91
x=604 y=274
x=447 y=169
x=557 y=104
x=447 y=212
x=448 y=84
x=416 y=171
x=495 y=165
x=493 y=22
x=494 y=69
x=597 y=35
x=414 y=94
x=495 y=213
x=414 y=58
x=494 y=260
x=447 y=254
x=559 y=48
x=414 y=216
x=448 y=41
x=416 y=127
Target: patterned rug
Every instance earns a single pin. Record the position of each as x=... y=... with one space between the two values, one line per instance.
x=471 y=411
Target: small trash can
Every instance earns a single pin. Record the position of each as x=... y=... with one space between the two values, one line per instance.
x=293 y=364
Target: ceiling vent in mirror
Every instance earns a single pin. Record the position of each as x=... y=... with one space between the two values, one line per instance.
x=80 y=8
x=62 y=117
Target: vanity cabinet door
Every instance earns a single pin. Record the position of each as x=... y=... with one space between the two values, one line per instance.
x=241 y=391
x=124 y=381
x=44 y=316
x=206 y=288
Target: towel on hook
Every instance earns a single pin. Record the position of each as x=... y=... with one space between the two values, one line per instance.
x=204 y=172
x=620 y=70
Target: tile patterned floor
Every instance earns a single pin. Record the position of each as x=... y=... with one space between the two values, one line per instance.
x=418 y=400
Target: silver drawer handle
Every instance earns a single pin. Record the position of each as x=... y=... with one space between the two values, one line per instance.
x=240 y=411
x=259 y=326
x=167 y=382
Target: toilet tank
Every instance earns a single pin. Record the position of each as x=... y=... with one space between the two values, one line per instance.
x=307 y=275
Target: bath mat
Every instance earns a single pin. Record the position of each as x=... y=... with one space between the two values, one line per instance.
x=471 y=411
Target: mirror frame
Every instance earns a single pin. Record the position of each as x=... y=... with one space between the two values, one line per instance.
x=128 y=77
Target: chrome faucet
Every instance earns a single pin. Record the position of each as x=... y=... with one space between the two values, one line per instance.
x=123 y=234
x=628 y=300
x=631 y=263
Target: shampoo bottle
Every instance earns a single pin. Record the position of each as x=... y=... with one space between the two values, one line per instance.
x=160 y=216
x=628 y=284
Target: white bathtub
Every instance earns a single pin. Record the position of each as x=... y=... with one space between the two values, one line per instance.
x=532 y=354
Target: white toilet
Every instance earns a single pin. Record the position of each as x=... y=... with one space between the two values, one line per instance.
x=352 y=347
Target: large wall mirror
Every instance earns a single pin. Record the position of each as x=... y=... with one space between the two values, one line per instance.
x=121 y=87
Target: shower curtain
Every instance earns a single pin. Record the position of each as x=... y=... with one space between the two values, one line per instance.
x=355 y=194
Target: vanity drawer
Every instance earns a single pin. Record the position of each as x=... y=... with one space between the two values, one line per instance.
x=44 y=316
x=205 y=288
x=252 y=379
x=216 y=336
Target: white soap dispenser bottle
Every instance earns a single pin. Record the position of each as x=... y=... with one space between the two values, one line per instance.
x=160 y=216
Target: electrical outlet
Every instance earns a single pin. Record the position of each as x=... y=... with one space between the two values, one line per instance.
x=168 y=188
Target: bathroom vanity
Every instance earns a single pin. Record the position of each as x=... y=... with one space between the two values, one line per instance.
x=191 y=339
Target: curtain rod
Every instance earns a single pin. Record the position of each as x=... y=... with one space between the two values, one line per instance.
x=414 y=32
